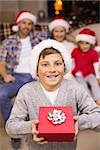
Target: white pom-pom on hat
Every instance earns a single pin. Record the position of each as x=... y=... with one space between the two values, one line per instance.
x=48 y=44
x=15 y=28
x=23 y=14
x=97 y=48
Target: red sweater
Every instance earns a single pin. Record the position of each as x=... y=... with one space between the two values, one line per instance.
x=84 y=61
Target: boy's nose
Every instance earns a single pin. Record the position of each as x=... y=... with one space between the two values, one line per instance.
x=52 y=68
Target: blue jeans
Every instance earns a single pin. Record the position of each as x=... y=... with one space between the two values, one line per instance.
x=9 y=90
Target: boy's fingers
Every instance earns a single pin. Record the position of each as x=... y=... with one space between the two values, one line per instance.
x=39 y=140
x=76 y=126
x=34 y=126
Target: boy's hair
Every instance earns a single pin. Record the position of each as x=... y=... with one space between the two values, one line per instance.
x=48 y=51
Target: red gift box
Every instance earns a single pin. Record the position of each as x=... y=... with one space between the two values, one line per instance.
x=56 y=128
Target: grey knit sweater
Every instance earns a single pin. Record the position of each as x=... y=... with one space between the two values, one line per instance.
x=31 y=97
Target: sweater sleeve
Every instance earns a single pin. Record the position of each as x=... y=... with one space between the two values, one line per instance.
x=16 y=125
x=89 y=112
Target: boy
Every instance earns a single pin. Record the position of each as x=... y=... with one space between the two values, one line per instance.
x=49 y=63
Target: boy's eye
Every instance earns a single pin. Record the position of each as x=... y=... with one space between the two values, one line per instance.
x=45 y=64
x=58 y=63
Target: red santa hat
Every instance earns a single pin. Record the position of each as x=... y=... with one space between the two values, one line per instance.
x=59 y=22
x=86 y=35
x=48 y=44
x=23 y=14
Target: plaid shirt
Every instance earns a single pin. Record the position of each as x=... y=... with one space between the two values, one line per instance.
x=11 y=48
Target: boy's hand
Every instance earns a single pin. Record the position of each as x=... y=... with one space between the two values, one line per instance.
x=38 y=140
x=76 y=126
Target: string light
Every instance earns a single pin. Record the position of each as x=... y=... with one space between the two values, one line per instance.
x=58 y=6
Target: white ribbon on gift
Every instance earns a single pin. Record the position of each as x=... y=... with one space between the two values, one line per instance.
x=56 y=116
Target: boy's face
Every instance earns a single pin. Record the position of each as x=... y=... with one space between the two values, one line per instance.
x=51 y=71
x=59 y=33
x=84 y=46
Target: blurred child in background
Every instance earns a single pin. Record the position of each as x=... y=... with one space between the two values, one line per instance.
x=85 y=58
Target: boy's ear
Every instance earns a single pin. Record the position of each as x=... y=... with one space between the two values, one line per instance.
x=64 y=68
x=37 y=71
x=37 y=74
x=65 y=71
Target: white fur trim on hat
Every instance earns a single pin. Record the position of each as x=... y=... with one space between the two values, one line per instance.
x=87 y=38
x=59 y=22
x=48 y=44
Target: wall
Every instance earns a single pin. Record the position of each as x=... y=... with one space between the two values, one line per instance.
x=9 y=8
